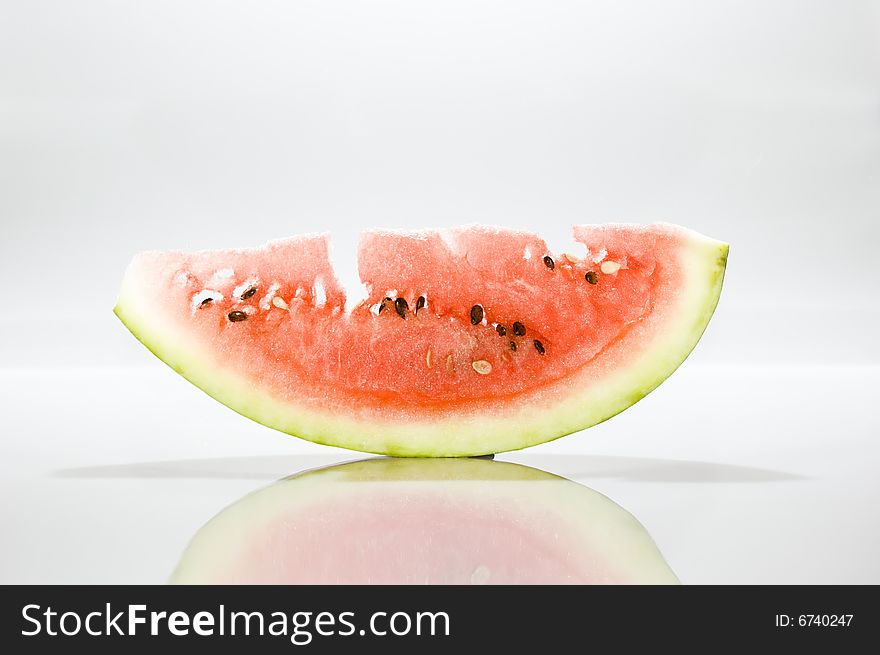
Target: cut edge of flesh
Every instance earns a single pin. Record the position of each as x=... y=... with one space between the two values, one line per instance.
x=583 y=404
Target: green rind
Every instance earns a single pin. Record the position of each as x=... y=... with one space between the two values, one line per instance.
x=581 y=404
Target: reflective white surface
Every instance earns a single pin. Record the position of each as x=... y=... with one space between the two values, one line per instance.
x=764 y=475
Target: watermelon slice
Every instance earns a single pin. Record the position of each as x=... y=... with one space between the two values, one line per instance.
x=473 y=341
x=423 y=521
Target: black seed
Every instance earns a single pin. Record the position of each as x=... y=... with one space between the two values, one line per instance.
x=249 y=293
x=206 y=302
x=237 y=316
x=548 y=262
x=539 y=347
x=519 y=329
x=420 y=303
x=384 y=302
x=512 y=345
x=500 y=329
x=400 y=306
x=592 y=277
x=476 y=315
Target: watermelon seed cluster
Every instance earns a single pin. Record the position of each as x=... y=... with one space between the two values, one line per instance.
x=477 y=316
x=401 y=307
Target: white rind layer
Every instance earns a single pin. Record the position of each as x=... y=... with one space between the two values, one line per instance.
x=575 y=403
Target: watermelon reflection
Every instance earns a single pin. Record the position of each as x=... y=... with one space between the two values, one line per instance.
x=416 y=521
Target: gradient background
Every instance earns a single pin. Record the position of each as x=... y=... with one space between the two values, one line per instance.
x=127 y=126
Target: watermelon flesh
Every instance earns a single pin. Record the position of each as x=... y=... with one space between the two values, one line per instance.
x=423 y=521
x=472 y=341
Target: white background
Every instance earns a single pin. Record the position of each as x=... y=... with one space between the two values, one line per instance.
x=127 y=126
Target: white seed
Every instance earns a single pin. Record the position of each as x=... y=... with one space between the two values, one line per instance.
x=269 y=297
x=609 y=267
x=572 y=258
x=428 y=358
x=449 y=363
x=320 y=294
x=278 y=301
x=482 y=367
